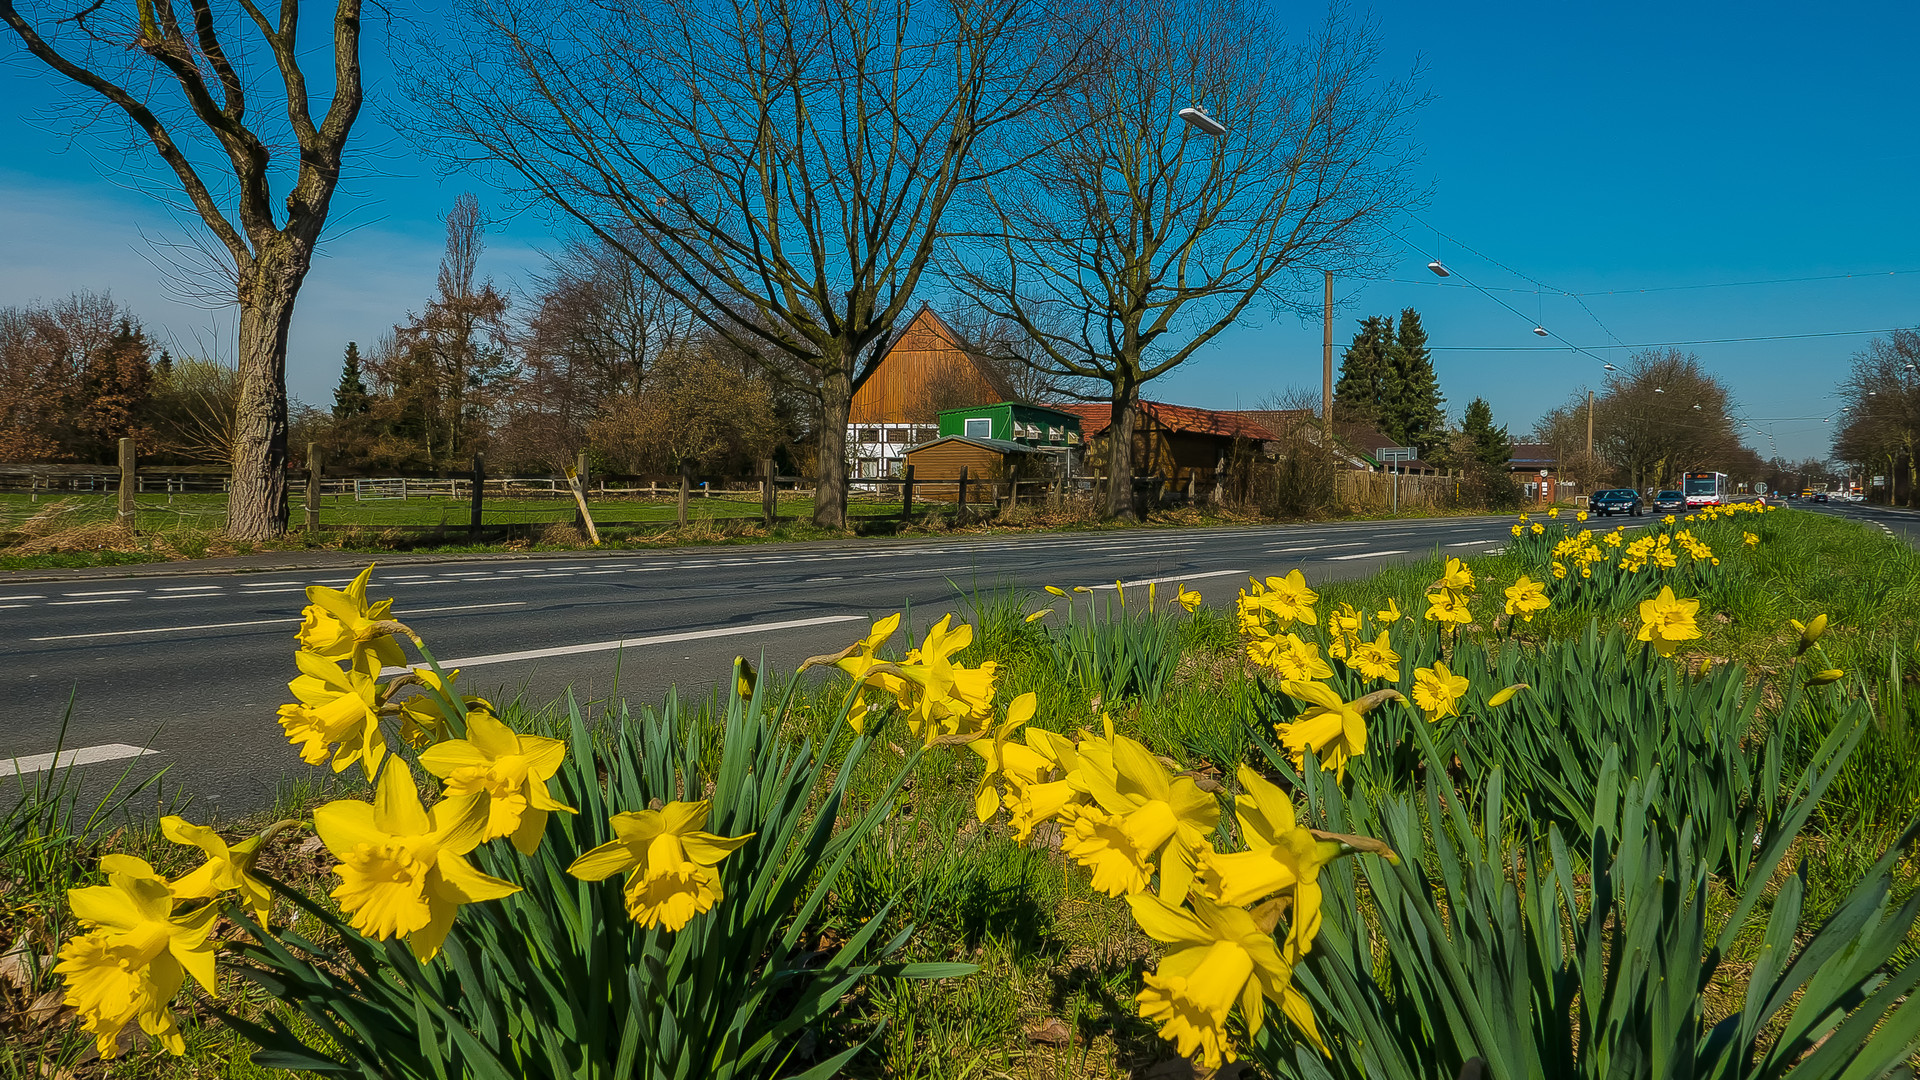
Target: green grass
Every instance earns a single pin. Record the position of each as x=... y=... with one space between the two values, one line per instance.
x=1060 y=964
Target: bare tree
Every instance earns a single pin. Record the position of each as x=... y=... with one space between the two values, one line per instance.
x=1134 y=240
x=127 y=62
x=781 y=167
x=1662 y=415
x=1880 y=426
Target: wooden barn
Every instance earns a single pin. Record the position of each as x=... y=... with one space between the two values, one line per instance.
x=990 y=465
x=928 y=370
x=1177 y=443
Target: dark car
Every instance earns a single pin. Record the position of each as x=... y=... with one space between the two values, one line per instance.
x=1669 y=501
x=1615 y=501
x=1819 y=496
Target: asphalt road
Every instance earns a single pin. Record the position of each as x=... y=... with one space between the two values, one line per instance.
x=191 y=668
x=1895 y=521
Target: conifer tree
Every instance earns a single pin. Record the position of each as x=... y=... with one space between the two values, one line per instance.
x=1484 y=443
x=350 y=398
x=1365 y=385
x=1413 y=412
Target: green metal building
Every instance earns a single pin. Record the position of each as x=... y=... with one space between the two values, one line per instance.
x=1013 y=421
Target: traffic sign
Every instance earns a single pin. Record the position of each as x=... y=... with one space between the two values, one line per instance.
x=1399 y=453
x=1759 y=489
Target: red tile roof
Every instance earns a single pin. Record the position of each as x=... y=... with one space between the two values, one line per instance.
x=1096 y=415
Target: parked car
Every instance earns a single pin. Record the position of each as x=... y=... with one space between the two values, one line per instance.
x=1669 y=502
x=1615 y=501
x=1819 y=496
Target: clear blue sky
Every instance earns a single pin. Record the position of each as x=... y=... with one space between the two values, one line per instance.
x=1600 y=148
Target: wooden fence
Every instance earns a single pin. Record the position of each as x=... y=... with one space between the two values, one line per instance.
x=1377 y=490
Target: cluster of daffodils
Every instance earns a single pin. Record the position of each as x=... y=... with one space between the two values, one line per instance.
x=941 y=701
x=403 y=866
x=1664 y=550
x=1144 y=832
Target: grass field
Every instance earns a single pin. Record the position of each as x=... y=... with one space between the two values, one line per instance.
x=1059 y=962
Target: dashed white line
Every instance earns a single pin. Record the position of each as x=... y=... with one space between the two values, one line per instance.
x=86 y=755
x=1170 y=577
x=5 y=599
x=1473 y=543
x=253 y=622
x=1364 y=555
x=1313 y=547
x=188 y=588
x=107 y=592
x=70 y=603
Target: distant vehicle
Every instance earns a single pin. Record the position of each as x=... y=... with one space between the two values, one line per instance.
x=1669 y=501
x=1819 y=496
x=1616 y=501
x=1705 y=488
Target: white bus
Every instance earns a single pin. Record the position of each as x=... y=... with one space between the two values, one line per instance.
x=1705 y=489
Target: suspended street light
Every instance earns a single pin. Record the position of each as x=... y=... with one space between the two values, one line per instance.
x=1200 y=121
x=1540 y=330
x=1439 y=269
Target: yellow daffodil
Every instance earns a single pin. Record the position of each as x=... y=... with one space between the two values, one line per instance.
x=1187 y=598
x=1669 y=519
x=1219 y=956
x=1036 y=616
x=1030 y=802
x=1447 y=606
x=1666 y=621
x=670 y=862
x=1581 y=516
x=1289 y=600
x=1458 y=577
x=1822 y=678
x=1559 y=570
x=942 y=698
x=1390 y=613
x=506 y=773
x=1290 y=657
x=1282 y=859
x=1007 y=762
x=1612 y=539
x=227 y=869
x=1437 y=691
x=1141 y=821
x=1335 y=730
x=335 y=708
x=1376 y=659
x=1343 y=631
x=403 y=870
x=1525 y=597
x=1810 y=632
x=423 y=720
x=1554 y=512
x=1056 y=590
x=339 y=624
x=1518 y=529
x=1538 y=528
x=745 y=680
x=136 y=955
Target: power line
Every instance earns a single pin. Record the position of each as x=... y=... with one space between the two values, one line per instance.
x=1864 y=275
x=1658 y=344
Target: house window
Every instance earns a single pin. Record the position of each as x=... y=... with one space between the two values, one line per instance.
x=980 y=427
x=868 y=435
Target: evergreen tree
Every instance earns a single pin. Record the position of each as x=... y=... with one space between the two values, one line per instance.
x=1413 y=412
x=1365 y=383
x=163 y=367
x=350 y=398
x=1484 y=443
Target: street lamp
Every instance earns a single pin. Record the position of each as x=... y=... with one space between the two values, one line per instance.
x=1200 y=121
x=1439 y=270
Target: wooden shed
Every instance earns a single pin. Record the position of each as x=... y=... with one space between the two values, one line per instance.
x=996 y=463
x=1178 y=443
x=928 y=369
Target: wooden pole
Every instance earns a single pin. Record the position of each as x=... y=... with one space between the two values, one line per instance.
x=577 y=484
x=577 y=479
x=686 y=482
x=769 y=499
x=906 y=494
x=315 y=466
x=127 y=482
x=961 y=507
x=479 y=488
x=1326 y=364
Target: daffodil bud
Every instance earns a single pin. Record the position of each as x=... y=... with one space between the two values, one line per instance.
x=1822 y=678
x=743 y=678
x=1056 y=590
x=1506 y=695
x=1809 y=632
x=1041 y=614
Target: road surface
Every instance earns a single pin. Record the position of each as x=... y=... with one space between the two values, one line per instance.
x=191 y=667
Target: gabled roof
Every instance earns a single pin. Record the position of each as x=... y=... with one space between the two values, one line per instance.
x=1532 y=454
x=1095 y=416
x=998 y=446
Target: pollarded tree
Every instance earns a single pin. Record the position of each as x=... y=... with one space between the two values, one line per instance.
x=186 y=82
x=1125 y=246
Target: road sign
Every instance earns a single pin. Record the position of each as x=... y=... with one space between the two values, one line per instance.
x=1398 y=453
x=1759 y=489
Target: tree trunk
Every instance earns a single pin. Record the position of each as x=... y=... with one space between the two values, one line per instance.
x=257 y=504
x=1120 y=454
x=830 y=462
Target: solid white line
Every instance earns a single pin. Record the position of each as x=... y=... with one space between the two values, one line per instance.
x=410 y=612
x=164 y=629
x=1363 y=555
x=86 y=755
x=70 y=603
x=637 y=642
x=1171 y=577
x=107 y=592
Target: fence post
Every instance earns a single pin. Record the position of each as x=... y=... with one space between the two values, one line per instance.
x=906 y=494
x=479 y=486
x=127 y=482
x=580 y=471
x=314 y=468
x=960 y=509
x=686 y=482
x=769 y=498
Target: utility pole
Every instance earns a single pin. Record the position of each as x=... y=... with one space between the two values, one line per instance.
x=1589 y=423
x=1326 y=364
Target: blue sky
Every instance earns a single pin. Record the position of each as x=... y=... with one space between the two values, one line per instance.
x=1602 y=149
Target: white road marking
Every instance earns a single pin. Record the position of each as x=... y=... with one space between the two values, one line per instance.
x=70 y=603
x=1364 y=555
x=461 y=607
x=638 y=642
x=188 y=588
x=1313 y=547
x=107 y=592
x=1473 y=543
x=165 y=629
x=86 y=755
x=264 y=584
x=1171 y=577
x=268 y=592
x=7 y=598
x=10 y=607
